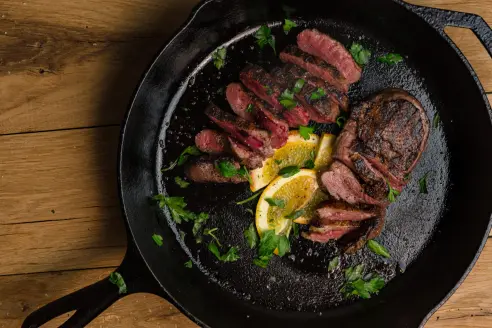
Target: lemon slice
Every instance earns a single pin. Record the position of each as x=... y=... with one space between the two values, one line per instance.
x=295 y=192
x=297 y=151
x=311 y=207
x=325 y=150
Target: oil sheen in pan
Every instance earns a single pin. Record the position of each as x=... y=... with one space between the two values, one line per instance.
x=299 y=281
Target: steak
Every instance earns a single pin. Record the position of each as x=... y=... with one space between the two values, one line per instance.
x=329 y=232
x=374 y=183
x=357 y=239
x=240 y=100
x=345 y=142
x=244 y=131
x=247 y=157
x=212 y=142
x=331 y=51
x=322 y=110
x=278 y=128
x=261 y=83
x=315 y=66
x=339 y=211
x=204 y=170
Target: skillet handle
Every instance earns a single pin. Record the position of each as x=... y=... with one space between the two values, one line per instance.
x=440 y=18
x=90 y=301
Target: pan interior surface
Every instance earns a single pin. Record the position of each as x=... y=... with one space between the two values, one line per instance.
x=299 y=281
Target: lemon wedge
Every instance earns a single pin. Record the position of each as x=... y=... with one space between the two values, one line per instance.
x=296 y=152
x=325 y=151
x=311 y=207
x=289 y=194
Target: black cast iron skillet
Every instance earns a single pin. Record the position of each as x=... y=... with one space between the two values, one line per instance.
x=434 y=238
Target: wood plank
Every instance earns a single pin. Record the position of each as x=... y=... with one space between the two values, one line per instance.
x=470 y=306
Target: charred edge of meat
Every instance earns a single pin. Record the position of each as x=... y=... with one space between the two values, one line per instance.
x=247 y=157
x=278 y=128
x=212 y=142
x=357 y=239
x=204 y=170
x=340 y=211
x=261 y=83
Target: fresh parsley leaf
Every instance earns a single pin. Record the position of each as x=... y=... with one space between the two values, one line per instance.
x=183 y=157
x=297 y=214
x=423 y=184
x=295 y=229
x=251 y=236
x=436 y=120
x=354 y=273
x=176 y=206
x=360 y=55
x=264 y=36
x=391 y=59
x=117 y=279
x=210 y=232
x=219 y=57
x=276 y=202
x=250 y=198
x=305 y=132
x=283 y=246
x=392 y=193
x=188 y=264
x=243 y=172
x=341 y=121
x=318 y=94
x=334 y=264
x=289 y=171
x=199 y=222
x=181 y=182
x=288 y=25
x=227 y=169
x=157 y=239
x=378 y=249
x=262 y=261
x=309 y=164
x=268 y=243
x=250 y=211
x=250 y=108
x=363 y=288
x=278 y=161
x=298 y=86
x=212 y=247
x=286 y=99
x=230 y=256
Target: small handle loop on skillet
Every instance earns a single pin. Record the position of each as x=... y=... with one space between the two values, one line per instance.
x=440 y=18
x=90 y=301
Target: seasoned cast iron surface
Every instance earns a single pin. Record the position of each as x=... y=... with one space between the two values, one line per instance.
x=300 y=280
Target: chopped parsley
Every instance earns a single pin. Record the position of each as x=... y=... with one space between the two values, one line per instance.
x=299 y=85
x=264 y=36
x=305 y=132
x=177 y=207
x=341 y=121
x=318 y=94
x=286 y=99
x=288 y=25
x=309 y=164
x=356 y=285
x=436 y=120
x=188 y=264
x=250 y=211
x=228 y=170
x=230 y=256
x=251 y=236
x=390 y=58
x=423 y=184
x=269 y=242
x=295 y=215
x=219 y=57
x=199 y=222
x=117 y=279
x=183 y=157
x=276 y=202
x=334 y=264
x=378 y=249
x=253 y=197
x=360 y=55
x=157 y=239
x=250 y=108
x=392 y=193
x=295 y=230
x=181 y=182
x=289 y=171
x=278 y=161
x=210 y=232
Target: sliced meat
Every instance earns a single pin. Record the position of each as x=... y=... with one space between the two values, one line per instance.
x=326 y=233
x=247 y=157
x=331 y=51
x=212 y=142
x=339 y=211
x=204 y=170
x=392 y=132
x=245 y=132
x=342 y=184
x=315 y=66
x=374 y=183
x=278 y=128
x=357 y=239
x=240 y=101
x=345 y=142
x=261 y=83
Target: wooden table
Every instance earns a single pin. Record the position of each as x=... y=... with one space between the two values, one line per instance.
x=67 y=72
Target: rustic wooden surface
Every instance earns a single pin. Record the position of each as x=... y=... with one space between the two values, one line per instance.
x=67 y=72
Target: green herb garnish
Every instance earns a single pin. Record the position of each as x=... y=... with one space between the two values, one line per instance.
x=286 y=99
x=305 y=132
x=264 y=36
x=253 y=197
x=276 y=202
x=334 y=264
x=436 y=120
x=176 y=206
x=296 y=214
x=378 y=249
x=250 y=211
x=283 y=246
x=289 y=171
x=318 y=94
x=183 y=157
x=360 y=55
x=309 y=164
x=210 y=232
x=188 y=264
x=250 y=108
x=390 y=58
x=230 y=256
x=355 y=285
x=219 y=57
x=268 y=243
x=251 y=236
x=157 y=239
x=288 y=25
x=423 y=184
x=199 y=222
x=392 y=193
x=181 y=182
x=227 y=169
x=117 y=279
x=341 y=121
x=278 y=161
x=299 y=85
x=295 y=230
